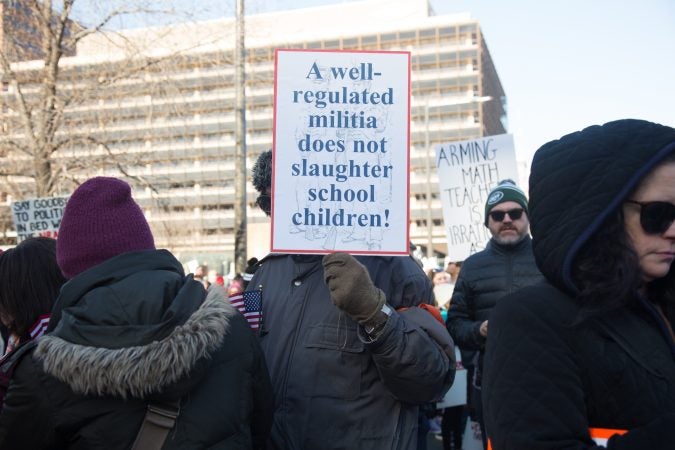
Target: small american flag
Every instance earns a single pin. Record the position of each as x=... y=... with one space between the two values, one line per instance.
x=249 y=303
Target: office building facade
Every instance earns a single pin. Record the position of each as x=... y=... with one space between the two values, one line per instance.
x=162 y=114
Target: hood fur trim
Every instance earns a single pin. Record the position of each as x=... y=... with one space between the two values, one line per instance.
x=138 y=371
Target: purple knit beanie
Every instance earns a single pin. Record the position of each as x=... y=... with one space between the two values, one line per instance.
x=100 y=221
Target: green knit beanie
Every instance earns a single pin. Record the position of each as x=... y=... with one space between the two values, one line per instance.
x=505 y=191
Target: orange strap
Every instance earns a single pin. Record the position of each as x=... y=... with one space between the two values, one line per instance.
x=596 y=433
x=605 y=433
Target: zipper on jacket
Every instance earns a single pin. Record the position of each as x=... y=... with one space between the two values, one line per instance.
x=509 y=273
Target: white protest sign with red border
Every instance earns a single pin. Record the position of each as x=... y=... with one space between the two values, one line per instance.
x=341 y=152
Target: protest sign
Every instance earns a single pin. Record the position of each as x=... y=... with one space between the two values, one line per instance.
x=467 y=171
x=38 y=216
x=341 y=152
x=456 y=395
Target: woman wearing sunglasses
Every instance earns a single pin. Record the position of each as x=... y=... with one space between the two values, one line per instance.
x=586 y=360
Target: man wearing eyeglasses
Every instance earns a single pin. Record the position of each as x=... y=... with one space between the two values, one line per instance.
x=505 y=265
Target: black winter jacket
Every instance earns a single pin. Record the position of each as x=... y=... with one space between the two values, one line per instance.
x=127 y=332
x=549 y=375
x=486 y=277
x=333 y=387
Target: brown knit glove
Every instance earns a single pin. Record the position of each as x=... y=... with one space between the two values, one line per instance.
x=351 y=288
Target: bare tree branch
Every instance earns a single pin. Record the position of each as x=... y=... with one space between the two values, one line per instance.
x=16 y=146
x=63 y=123
x=115 y=14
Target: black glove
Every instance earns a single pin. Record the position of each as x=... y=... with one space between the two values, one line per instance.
x=351 y=288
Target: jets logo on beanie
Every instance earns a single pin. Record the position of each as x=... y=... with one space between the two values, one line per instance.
x=505 y=191
x=100 y=221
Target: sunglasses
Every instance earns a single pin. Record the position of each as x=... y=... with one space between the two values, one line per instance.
x=264 y=202
x=655 y=217
x=514 y=214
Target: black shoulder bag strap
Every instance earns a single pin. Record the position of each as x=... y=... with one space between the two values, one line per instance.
x=159 y=419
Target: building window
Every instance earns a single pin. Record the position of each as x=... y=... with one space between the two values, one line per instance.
x=428 y=35
x=388 y=38
x=350 y=43
x=407 y=38
x=447 y=34
x=368 y=42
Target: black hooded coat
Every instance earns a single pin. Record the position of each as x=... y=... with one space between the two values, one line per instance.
x=550 y=377
x=131 y=331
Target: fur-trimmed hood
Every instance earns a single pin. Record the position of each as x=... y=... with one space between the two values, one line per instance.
x=132 y=327
x=131 y=332
x=138 y=371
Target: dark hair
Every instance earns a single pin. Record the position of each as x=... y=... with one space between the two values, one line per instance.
x=262 y=171
x=607 y=271
x=252 y=261
x=30 y=281
x=433 y=271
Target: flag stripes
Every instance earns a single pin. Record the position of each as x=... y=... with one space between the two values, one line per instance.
x=249 y=303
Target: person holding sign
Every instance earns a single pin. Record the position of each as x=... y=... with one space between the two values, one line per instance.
x=133 y=346
x=348 y=369
x=593 y=346
x=505 y=265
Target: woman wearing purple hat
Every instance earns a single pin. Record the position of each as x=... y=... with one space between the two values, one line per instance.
x=134 y=343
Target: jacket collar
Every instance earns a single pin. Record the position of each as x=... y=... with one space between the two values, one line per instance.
x=632 y=337
x=143 y=370
x=109 y=272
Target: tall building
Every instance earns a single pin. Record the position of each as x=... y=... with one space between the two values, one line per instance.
x=20 y=34
x=156 y=105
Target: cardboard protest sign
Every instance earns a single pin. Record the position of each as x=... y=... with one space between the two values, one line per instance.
x=341 y=152
x=467 y=171
x=38 y=216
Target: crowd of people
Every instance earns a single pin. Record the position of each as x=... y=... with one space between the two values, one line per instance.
x=564 y=324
